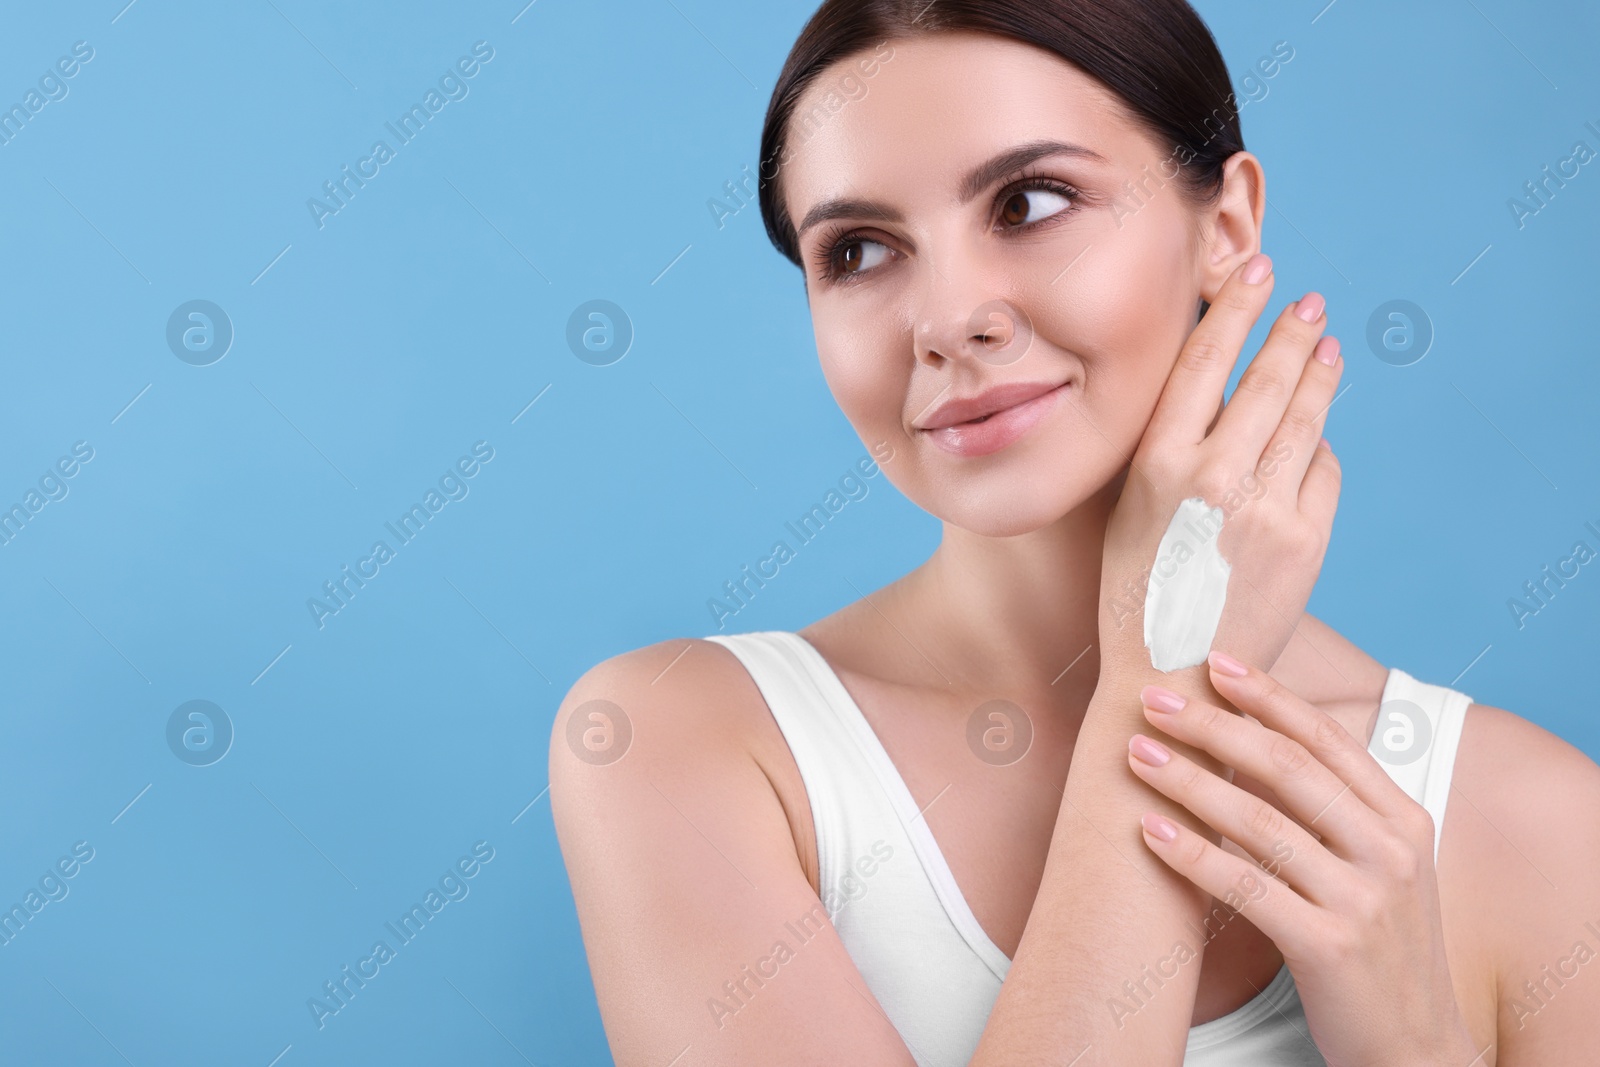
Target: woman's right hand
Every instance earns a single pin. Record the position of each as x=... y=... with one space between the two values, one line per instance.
x=1262 y=461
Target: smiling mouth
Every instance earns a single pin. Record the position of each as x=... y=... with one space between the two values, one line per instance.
x=992 y=432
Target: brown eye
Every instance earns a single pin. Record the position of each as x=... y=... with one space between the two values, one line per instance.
x=1037 y=203
x=855 y=255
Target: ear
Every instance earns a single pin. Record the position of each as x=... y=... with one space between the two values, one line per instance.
x=1233 y=225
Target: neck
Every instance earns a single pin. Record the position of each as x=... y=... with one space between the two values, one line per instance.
x=1000 y=614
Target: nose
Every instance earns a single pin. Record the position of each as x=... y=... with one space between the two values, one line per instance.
x=964 y=314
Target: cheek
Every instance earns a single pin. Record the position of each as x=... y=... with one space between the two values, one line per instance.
x=862 y=362
x=1124 y=310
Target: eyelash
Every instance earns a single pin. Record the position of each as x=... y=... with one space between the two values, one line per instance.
x=836 y=242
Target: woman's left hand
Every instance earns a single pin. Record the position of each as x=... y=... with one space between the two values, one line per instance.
x=1352 y=902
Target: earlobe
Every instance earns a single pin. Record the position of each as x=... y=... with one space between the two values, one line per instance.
x=1236 y=221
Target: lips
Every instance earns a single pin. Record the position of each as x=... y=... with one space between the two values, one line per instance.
x=989 y=402
x=993 y=419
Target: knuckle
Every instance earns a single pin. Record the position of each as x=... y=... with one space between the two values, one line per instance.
x=1156 y=459
x=1262 y=820
x=1262 y=382
x=1341 y=941
x=1298 y=331
x=1208 y=718
x=1239 y=298
x=1298 y=424
x=1202 y=353
x=1212 y=482
x=1399 y=858
x=1192 y=851
x=1420 y=824
x=1289 y=757
x=1364 y=905
x=1189 y=776
x=1408 y=867
x=1327 y=734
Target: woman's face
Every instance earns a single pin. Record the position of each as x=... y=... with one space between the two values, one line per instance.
x=944 y=278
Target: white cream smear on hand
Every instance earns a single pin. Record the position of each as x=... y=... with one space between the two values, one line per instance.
x=1188 y=584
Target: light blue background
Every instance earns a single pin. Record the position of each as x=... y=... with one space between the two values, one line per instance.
x=432 y=309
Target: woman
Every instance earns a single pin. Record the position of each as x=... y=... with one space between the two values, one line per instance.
x=1031 y=250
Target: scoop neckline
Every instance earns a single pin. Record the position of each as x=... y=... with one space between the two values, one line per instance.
x=1277 y=993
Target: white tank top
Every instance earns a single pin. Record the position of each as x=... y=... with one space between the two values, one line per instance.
x=891 y=896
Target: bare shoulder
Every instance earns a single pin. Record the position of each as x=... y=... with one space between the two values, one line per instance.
x=1528 y=805
x=657 y=704
x=683 y=712
x=680 y=852
x=1519 y=859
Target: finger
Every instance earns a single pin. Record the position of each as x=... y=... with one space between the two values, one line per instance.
x=1262 y=396
x=1266 y=833
x=1319 y=489
x=1294 y=443
x=1194 y=388
x=1274 y=908
x=1263 y=696
x=1307 y=788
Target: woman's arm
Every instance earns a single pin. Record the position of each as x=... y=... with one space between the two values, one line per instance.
x=1519 y=864
x=706 y=941
x=1108 y=966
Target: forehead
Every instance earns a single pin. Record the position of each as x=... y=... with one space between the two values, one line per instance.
x=940 y=104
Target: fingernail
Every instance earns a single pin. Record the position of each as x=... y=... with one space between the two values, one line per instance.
x=1147 y=751
x=1323 y=443
x=1327 y=350
x=1157 y=827
x=1226 y=664
x=1259 y=267
x=1310 y=307
x=1158 y=699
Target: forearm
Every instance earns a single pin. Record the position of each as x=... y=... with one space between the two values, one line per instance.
x=1108 y=965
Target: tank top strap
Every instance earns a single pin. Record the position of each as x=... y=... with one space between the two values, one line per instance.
x=860 y=804
x=848 y=810
x=1415 y=739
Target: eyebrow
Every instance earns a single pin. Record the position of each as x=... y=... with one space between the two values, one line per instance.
x=976 y=181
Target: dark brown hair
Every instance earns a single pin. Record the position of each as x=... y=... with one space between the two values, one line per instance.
x=1158 y=56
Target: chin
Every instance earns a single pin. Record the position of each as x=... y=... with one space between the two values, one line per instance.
x=1008 y=501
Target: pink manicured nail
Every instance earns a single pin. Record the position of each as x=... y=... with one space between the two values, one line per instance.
x=1228 y=665
x=1310 y=307
x=1327 y=350
x=1147 y=751
x=1158 y=699
x=1157 y=827
x=1258 y=268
